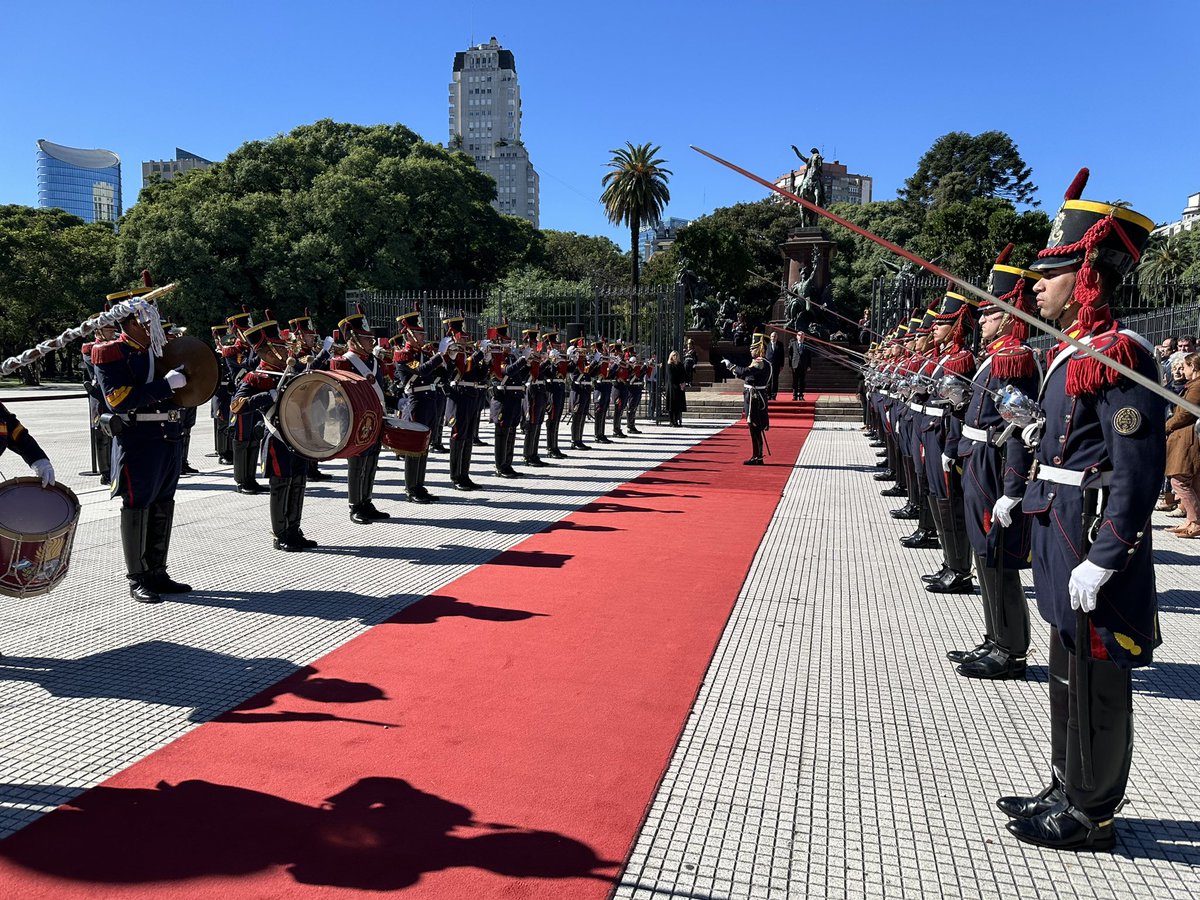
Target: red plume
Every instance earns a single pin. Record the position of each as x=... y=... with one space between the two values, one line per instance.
x=1004 y=255
x=337 y=335
x=146 y=279
x=1075 y=191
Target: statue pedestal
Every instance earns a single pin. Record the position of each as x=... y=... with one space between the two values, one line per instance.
x=702 y=342
x=805 y=249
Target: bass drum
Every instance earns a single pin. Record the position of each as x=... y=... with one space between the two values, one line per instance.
x=405 y=438
x=330 y=415
x=37 y=531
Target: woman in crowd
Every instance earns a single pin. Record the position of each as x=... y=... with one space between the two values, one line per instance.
x=676 y=399
x=1183 y=451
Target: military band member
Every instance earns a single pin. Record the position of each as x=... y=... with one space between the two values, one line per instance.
x=620 y=386
x=312 y=354
x=101 y=440
x=147 y=428
x=757 y=382
x=1097 y=472
x=557 y=369
x=219 y=405
x=420 y=371
x=995 y=462
x=14 y=436
x=509 y=374
x=602 y=380
x=246 y=427
x=581 y=391
x=284 y=468
x=536 y=397
x=637 y=384
x=360 y=358
x=465 y=396
x=173 y=331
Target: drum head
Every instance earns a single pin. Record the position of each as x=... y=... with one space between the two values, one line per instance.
x=200 y=365
x=314 y=416
x=27 y=509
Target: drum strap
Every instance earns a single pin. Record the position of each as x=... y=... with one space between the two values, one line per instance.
x=366 y=372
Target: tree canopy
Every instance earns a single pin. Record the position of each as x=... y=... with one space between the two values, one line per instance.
x=960 y=167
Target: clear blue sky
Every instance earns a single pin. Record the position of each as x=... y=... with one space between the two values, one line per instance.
x=1111 y=85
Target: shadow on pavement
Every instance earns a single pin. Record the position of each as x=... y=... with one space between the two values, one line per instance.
x=378 y=834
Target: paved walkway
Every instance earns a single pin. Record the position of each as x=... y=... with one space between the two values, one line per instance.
x=831 y=751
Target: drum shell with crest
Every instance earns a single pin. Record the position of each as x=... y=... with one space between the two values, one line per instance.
x=329 y=414
x=37 y=532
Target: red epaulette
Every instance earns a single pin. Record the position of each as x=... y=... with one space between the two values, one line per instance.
x=260 y=381
x=86 y=349
x=229 y=352
x=1014 y=362
x=341 y=364
x=960 y=362
x=1086 y=375
x=107 y=351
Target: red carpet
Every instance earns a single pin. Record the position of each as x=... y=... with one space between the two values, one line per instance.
x=533 y=707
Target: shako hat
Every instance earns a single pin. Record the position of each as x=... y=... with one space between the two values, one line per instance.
x=356 y=323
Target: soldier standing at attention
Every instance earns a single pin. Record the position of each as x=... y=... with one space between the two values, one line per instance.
x=1098 y=468
x=360 y=359
x=757 y=378
x=101 y=440
x=557 y=370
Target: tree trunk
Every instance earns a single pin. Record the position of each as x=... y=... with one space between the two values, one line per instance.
x=634 y=228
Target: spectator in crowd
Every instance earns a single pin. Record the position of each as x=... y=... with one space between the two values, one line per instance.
x=1175 y=381
x=1163 y=352
x=800 y=357
x=1183 y=452
x=1187 y=345
x=775 y=357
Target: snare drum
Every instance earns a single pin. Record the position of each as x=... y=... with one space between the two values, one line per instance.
x=330 y=415
x=37 y=529
x=405 y=438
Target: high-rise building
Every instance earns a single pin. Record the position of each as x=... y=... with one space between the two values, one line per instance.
x=485 y=123
x=660 y=236
x=841 y=186
x=86 y=183
x=166 y=169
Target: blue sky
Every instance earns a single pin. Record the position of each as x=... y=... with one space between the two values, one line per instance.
x=1103 y=84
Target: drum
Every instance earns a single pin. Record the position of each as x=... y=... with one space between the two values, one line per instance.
x=329 y=415
x=405 y=438
x=37 y=529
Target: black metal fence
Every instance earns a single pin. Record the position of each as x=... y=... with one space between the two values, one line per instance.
x=651 y=319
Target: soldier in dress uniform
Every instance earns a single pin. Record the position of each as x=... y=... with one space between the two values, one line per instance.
x=637 y=384
x=246 y=427
x=173 y=331
x=537 y=395
x=360 y=358
x=995 y=462
x=922 y=364
x=14 y=436
x=757 y=382
x=147 y=429
x=940 y=431
x=906 y=370
x=602 y=380
x=582 y=378
x=557 y=372
x=101 y=440
x=219 y=405
x=1098 y=468
x=285 y=469
x=420 y=371
x=620 y=385
x=466 y=394
x=509 y=373
x=312 y=354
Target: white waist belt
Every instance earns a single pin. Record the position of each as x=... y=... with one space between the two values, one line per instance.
x=977 y=434
x=1069 y=476
x=935 y=411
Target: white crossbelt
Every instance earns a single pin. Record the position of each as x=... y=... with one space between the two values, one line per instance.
x=982 y=435
x=1069 y=476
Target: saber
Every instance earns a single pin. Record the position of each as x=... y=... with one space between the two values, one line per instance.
x=1063 y=337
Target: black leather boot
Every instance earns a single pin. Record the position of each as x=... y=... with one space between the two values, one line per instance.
x=996 y=665
x=280 y=524
x=936 y=576
x=135 y=526
x=952 y=583
x=1028 y=807
x=921 y=539
x=894 y=491
x=1066 y=828
x=158 y=546
x=963 y=656
x=909 y=510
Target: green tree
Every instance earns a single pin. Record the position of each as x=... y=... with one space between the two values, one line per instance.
x=635 y=192
x=582 y=257
x=960 y=167
x=1167 y=264
x=54 y=273
x=294 y=221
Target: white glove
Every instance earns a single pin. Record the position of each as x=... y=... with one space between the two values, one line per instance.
x=326 y=344
x=726 y=363
x=176 y=379
x=44 y=471
x=947 y=462
x=1086 y=580
x=1002 y=509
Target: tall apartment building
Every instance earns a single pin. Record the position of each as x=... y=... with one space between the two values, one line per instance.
x=1191 y=215
x=659 y=237
x=166 y=169
x=841 y=185
x=86 y=183
x=485 y=122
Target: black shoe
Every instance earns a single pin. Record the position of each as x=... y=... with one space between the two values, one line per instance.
x=907 y=511
x=952 y=583
x=936 y=576
x=886 y=475
x=107 y=482
x=633 y=430
x=464 y=484
x=164 y=584
x=603 y=440
x=536 y=462
x=510 y=472
x=320 y=476
x=753 y=461
x=619 y=434
x=252 y=488
x=223 y=461
x=996 y=666
x=373 y=513
x=359 y=516
x=1028 y=807
x=580 y=447
x=188 y=469
x=878 y=444
x=883 y=464
x=438 y=448
x=1066 y=829
x=287 y=545
x=920 y=539
x=963 y=656
x=479 y=443
x=143 y=593
x=417 y=497
x=429 y=498
x=894 y=491
x=500 y=473
x=297 y=537
x=558 y=454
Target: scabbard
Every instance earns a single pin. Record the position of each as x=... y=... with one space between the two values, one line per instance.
x=1083 y=651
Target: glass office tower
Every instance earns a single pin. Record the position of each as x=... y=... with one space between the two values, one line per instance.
x=86 y=183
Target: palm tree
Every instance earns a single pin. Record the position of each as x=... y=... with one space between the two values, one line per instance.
x=635 y=191
x=1161 y=267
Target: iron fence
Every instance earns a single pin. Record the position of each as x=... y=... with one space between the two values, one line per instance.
x=650 y=319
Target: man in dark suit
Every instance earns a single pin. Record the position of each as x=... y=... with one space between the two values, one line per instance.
x=800 y=359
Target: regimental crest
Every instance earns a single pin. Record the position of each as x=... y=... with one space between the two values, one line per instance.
x=991 y=281
x=1126 y=421
x=1056 y=230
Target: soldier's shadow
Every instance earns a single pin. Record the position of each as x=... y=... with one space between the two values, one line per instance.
x=1172 y=840
x=1178 y=600
x=378 y=834
x=1169 y=680
x=1175 y=558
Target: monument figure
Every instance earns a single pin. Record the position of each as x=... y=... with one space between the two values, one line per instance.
x=812 y=186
